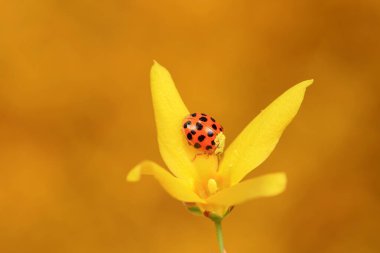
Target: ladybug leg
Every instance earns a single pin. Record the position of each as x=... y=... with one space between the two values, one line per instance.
x=204 y=153
x=196 y=155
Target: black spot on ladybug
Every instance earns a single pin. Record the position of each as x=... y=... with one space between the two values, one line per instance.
x=208 y=147
x=204 y=119
x=186 y=124
x=212 y=142
x=197 y=145
x=193 y=132
x=210 y=133
x=214 y=126
x=221 y=129
x=199 y=126
x=194 y=114
x=201 y=138
x=213 y=120
x=189 y=136
x=204 y=114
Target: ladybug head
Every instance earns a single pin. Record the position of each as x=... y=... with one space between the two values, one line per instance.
x=219 y=141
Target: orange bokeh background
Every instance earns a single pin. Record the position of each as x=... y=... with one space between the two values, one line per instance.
x=76 y=115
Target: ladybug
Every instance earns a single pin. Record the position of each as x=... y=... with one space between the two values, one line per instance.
x=204 y=133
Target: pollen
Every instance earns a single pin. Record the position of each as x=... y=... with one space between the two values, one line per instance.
x=220 y=141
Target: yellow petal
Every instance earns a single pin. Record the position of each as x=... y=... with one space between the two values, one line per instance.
x=259 y=138
x=263 y=186
x=180 y=189
x=170 y=111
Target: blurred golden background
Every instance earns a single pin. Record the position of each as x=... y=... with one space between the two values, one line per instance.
x=76 y=115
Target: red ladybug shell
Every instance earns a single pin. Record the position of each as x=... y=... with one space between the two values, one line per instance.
x=200 y=130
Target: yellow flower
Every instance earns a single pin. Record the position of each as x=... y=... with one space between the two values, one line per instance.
x=205 y=184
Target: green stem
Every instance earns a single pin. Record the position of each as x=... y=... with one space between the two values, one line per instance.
x=219 y=235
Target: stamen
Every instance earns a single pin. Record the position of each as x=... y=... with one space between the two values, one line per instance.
x=212 y=186
x=220 y=141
